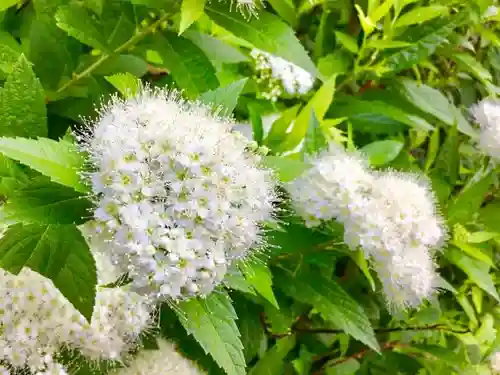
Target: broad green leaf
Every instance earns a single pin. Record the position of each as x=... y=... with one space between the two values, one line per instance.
x=127 y=84
x=286 y=9
x=212 y=322
x=467 y=307
x=250 y=326
x=386 y=44
x=320 y=103
x=467 y=203
x=58 y=160
x=366 y=23
x=331 y=301
x=123 y=64
x=435 y=103
x=44 y=202
x=273 y=362
x=77 y=22
x=421 y=14
x=424 y=44
x=448 y=159
x=471 y=64
x=380 y=11
x=58 y=252
x=216 y=50
x=287 y=169
x=266 y=32
x=234 y=279
x=488 y=216
x=22 y=103
x=225 y=97
x=187 y=64
x=8 y=55
x=382 y=152
x=474 y=252
x=260 y=278
x=477 y=271
x=349 y=367
x=191 y=10
x=376 y=116
x=280 y=126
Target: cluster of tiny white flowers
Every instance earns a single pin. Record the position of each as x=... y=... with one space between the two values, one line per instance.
x=487 y=115
x=165 y=360
x=178 y=194
x=277 y=76
x=391 y=216
x=495 y=363
x=36 y=321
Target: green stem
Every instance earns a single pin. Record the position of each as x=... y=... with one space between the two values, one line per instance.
x=125 y=46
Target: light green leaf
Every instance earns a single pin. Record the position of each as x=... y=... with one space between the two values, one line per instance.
x=320 y=103
x=127 y=84
x=8 y=55
x=44 y=202
x=382 y=152
x=5 y=4
x=474 y=252
x=250 y=326
x=421 y=14
x=359 y=258
x=58 y=252
x=225 y=97
x=467 y=203
x=234 y=279
x=471 y=64
x=386 y=44
x=331 y=301
x=435 y=103
x=315 y=139
x=191 y=10
x=273 y=361
x=188 y=65
x=260 y=278
x=286 y=9
x=286 y=168
x=280 y=126
x=366 y=23
x=22 y=103
x=349 y=367
x=58 y=160
x=77 y=22
x=347 y=41
x=266 y=32
x=212 y=322
x=477 y=271
x=380 y=11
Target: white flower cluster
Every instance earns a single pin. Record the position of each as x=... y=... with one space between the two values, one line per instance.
x=165 y=360
x=178 y=194
x=36 y=321
x=495 y=363
x=277 y=76
x=487 y=114
x=391 y=216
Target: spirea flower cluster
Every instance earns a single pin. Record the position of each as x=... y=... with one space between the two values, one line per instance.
x=37 y=321
x=495 y=363
x=278 y=76
x=487 y=115
x=390 y=216
x=165 y=360
x=178 y=195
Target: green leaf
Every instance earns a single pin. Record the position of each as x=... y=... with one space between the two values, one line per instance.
x=266 y=32
x=187 y=64
x=421 y=14
x=123 y=64
x=77 y=22
x=191 y=10
x=435 y=103
x=234 y=279
x=424 y=44
x=286 y=10
x=225 y=97
x=5 y=4
x=212 y=322
x=127 y=84
x=474 y=252
x=488 y=216
x=58 y=160
x=286 y=168
x=44 y=202
x=386 y=44
x=382 y=152
x=273 y=362
x=348 y=367
x=376 y=116
x=22 y=103
x=58 y=252
x=280 y=126
x=259 y=277
x=477 y=271
x=250 y=326
x=8 y=55
x=467 y=203
x=331 y=301
x=347 y=41
x=471 y=64
x=314 y=140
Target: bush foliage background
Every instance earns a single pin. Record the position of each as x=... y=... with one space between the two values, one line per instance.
x=394 y=78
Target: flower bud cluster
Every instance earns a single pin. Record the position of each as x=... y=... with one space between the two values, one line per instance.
x=277 y=76
x=390 y=216
x=178 y=195
x=487 y=115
